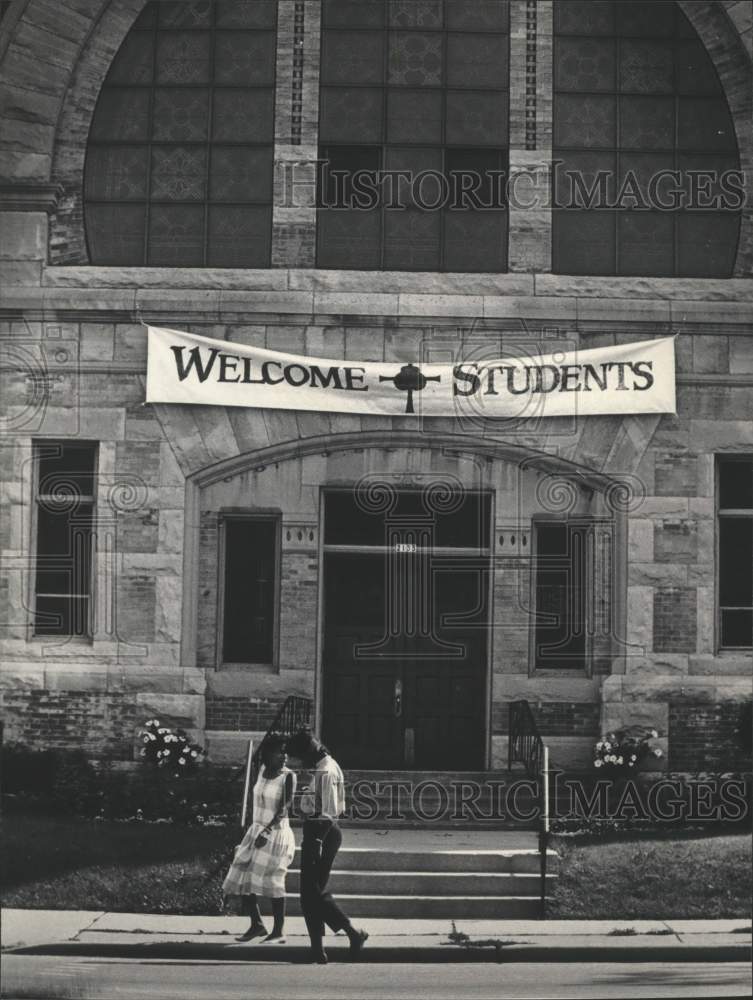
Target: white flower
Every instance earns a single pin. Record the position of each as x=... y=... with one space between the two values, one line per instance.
x=182 y=760
x=630 y=764
x=654 y=733
x=607 y=745
x=597 y=763
x=163 y=731
x=155 y=721
x=146 y=737
x=633 y=757
x=657 y=752
x=143 y=752
x=152 y=736
x=620 y=760
x=194 y=754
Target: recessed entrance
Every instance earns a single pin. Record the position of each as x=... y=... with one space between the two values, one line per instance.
x=406 y=624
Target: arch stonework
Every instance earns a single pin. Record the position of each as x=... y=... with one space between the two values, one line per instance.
x=48 y=114
x=730 y=54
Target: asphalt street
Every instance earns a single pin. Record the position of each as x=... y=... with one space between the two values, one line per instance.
x=44 y=977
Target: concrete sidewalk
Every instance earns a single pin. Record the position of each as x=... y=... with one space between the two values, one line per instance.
x=142 y=935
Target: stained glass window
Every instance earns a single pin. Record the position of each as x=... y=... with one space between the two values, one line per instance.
x=644 y=145
x=414 y=135
x=180 y=156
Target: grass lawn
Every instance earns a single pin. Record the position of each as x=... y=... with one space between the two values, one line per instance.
x=158 y=868
x=60 y=863
x=669 y=877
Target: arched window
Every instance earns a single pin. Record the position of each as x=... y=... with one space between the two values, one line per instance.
x=180 y=156
x=644 y=145
x=413 y=135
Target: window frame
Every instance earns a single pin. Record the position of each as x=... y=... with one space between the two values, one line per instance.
x=591 y=524
x=208 y=144
x=731 y=513
x=273 y=518
x=87 y=637
x=618 y=153
x=385 y=146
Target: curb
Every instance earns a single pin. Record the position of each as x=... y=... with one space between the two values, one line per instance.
x=296 y=954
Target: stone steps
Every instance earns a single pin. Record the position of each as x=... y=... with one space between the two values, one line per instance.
x=432 y=875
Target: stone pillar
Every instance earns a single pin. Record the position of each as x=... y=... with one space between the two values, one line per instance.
x=296 y=133
x=531 y=31
x=24 y=211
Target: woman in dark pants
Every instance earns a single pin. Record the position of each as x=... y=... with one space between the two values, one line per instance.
x=322 y=804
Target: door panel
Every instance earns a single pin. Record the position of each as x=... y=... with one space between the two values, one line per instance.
x=441 y=719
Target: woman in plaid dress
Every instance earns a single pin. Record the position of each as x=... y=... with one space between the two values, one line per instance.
x=263 y=856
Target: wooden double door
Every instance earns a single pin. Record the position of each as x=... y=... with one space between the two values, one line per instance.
x=406 y=628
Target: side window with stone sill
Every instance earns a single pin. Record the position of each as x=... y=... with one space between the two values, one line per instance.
x=735 y=552
x=64 y=518
x=249 y=597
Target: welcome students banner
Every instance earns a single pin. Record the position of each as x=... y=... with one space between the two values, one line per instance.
x=629 y=378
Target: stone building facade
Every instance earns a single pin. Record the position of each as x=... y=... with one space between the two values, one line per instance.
x=158 y=488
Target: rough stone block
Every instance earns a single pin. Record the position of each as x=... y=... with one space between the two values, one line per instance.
x=130 y=343
x=676 y=541
x=640 y=540
x=24 y=236
x=676 y=474
x=741 y=354
x=640 y=617
x=228 y=746
x=184 y=710
x=439 y=305
x=710 y=353
x=652 y=714
x=725 y=664
x=656 y=663
x=102 y=424
x=20 y=272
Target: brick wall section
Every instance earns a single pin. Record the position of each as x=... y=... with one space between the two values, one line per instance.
x=98 y=723
x=107 y=31
x=553 y=719
x=675 y=619
x=241 y=714
x=296 y=133
x=676 y=474
x=138 y=531
x=676 y=541
x=530 y=232
x=298 y=609
x=710 y=736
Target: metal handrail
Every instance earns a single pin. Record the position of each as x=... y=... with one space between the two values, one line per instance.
x=525 y=745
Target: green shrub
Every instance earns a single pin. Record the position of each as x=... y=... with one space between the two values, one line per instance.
x=65 y=782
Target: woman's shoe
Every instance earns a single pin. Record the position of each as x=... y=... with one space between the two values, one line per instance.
x=258 y=930
x=320 y=958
